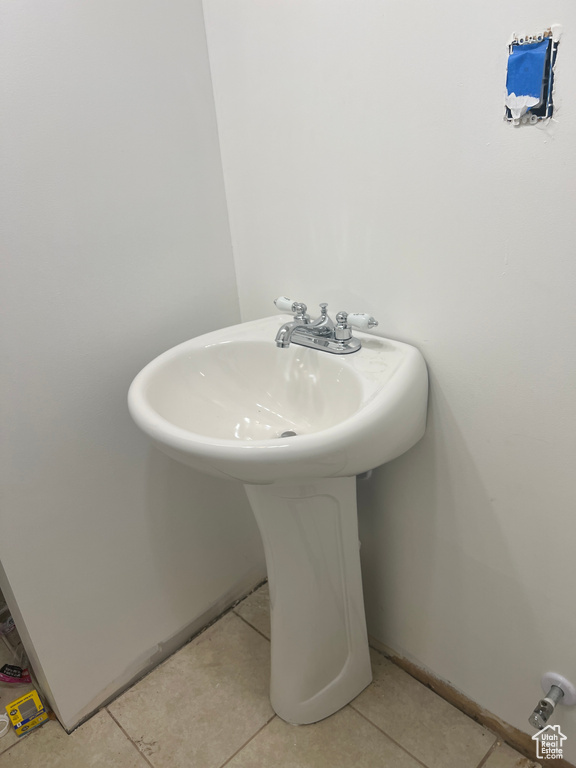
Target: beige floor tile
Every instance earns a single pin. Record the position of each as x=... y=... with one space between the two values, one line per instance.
x=97 y=743
x=414 y=716
x=199 y=707
x=255 y=609
x=345 y=740
x=506 y=757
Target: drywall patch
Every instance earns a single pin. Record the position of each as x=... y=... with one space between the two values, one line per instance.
x=530 y=76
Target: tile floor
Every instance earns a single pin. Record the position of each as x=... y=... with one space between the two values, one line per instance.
x=207 y=707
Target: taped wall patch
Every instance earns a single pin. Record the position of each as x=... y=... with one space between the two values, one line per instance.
x=530 y=76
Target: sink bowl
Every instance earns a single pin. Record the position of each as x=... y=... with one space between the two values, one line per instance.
x=296 y=426
x=222 y=402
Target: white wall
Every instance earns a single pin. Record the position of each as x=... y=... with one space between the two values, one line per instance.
x=115 y=246
x=367 y=164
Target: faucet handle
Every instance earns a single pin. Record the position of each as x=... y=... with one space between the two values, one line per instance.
x=345 y=321
x=287 y=305
x=361 y=321
x=284 y=304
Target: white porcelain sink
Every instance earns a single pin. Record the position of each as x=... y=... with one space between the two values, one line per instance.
x=221 y=403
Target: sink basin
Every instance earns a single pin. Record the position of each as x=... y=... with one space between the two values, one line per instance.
x=221 y=403
x=296 y=426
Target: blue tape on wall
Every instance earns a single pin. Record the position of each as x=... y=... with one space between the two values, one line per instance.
x=526 y=69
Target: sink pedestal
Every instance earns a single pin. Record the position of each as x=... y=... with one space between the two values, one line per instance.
x=320 y=657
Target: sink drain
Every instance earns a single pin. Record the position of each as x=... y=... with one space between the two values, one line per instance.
x=288 y=433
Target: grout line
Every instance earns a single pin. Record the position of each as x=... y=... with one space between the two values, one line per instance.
x=8 y=748
x=129 y=739
x=255 y=589
x=503 y=732
x=248 y=742
x=21 y=739
x=251 y=626
x=216 y=619
x=492 y=749
x=403 y=748
x=125 y=688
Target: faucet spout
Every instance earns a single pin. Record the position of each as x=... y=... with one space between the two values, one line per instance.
x=284 y=335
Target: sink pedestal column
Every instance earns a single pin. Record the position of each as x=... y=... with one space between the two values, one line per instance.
x=320 y=657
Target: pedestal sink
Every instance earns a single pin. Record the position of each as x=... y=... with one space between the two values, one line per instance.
x=295 y=426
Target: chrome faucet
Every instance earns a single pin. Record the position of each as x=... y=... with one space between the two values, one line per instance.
x=322 y=333
x=301 y=320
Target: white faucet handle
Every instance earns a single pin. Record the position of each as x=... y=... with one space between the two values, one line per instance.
x=287 y=305
x=284 y=303
x=361 y=321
